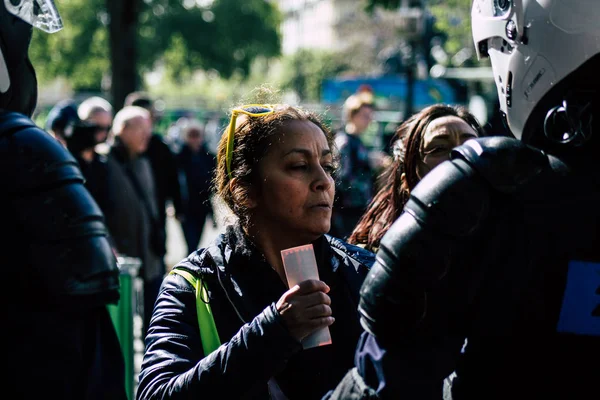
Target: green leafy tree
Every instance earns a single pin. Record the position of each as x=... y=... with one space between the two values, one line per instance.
x=121 y=39
x=452 y=21
x=305 y=71
x=223 y=35
x=80 y=51
x=453 y=18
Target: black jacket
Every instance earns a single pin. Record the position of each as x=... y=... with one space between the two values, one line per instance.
x=197 y=170
x=243 y=290
x=164 y=168
x=499 y=246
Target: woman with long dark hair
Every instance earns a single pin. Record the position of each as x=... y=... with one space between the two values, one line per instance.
x=421 y=143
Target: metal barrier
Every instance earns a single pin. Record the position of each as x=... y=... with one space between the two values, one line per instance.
x=128 y=316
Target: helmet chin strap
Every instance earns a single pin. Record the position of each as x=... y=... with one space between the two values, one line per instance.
x=4 y=77
x=569 y=124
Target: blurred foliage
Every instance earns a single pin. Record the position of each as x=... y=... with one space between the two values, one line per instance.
x=182 y=35
x=209 y=90
x=306 y=70
x=79 y=51
x=299 y=75
x=452 y=19
x=211 y=53
x=221 y=35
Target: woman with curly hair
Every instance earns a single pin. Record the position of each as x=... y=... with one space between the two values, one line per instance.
x=274 y=171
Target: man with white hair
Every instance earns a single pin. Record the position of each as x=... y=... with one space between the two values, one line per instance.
x=132 y=217
x=98 y=111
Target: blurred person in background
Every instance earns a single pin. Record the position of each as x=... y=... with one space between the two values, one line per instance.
x=355 y=177
x=81 y=138
x=499 y=246
x=133 y=217
x=164 y=166
x=420 y=144
x=274 y=171
x=97 y=111
x=196 y=167
x=213 y=130
x=63 y=114
x=61 y=271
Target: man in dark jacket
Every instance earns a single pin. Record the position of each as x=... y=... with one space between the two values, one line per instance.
x=60 y=272
x=196 y=168
x=163 y=162
x=492 y=273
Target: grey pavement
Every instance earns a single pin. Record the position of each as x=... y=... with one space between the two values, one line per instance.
x=176 y=247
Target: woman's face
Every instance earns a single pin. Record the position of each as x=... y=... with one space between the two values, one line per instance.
x=194 y=138
x=441 y=136
x=292 y=199
x=362 y=119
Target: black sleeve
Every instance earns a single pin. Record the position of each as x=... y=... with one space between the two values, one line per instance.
x=175 y=367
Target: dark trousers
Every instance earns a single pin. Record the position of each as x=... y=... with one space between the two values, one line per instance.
x=192 y=230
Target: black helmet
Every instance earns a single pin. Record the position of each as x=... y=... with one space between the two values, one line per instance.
x=18 y=85
x=62 y=115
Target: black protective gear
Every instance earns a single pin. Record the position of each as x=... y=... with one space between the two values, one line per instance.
x=62 y=115
x=486 y=250
x=60 y=272
x=54 y=231
x=15 y=35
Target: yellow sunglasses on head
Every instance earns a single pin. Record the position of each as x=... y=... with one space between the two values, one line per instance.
x=251 y=110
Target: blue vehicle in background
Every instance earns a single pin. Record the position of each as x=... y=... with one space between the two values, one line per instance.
x=392 y=101
x=392 y=91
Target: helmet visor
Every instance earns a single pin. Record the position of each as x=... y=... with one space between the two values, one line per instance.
x=41 y=14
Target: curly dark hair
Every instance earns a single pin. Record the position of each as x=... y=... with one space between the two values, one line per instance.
x=253 y=137
x=388 y=203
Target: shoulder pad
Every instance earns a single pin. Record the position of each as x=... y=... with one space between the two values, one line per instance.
x=11 y=122
x=452 y=199
x=505 y=163
x=31 y=159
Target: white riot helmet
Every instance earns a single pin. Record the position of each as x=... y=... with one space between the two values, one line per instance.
x=533 y=45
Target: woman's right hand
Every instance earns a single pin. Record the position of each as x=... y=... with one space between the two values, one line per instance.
x=305 y=308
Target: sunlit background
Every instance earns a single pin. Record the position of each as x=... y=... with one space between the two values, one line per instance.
x=198 y=58
x=202 y=56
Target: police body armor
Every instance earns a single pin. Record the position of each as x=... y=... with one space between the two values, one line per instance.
x=55 y=238
x=500 y=245
x=59 y=272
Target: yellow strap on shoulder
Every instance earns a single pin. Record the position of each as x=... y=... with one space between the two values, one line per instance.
x=206 y=322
